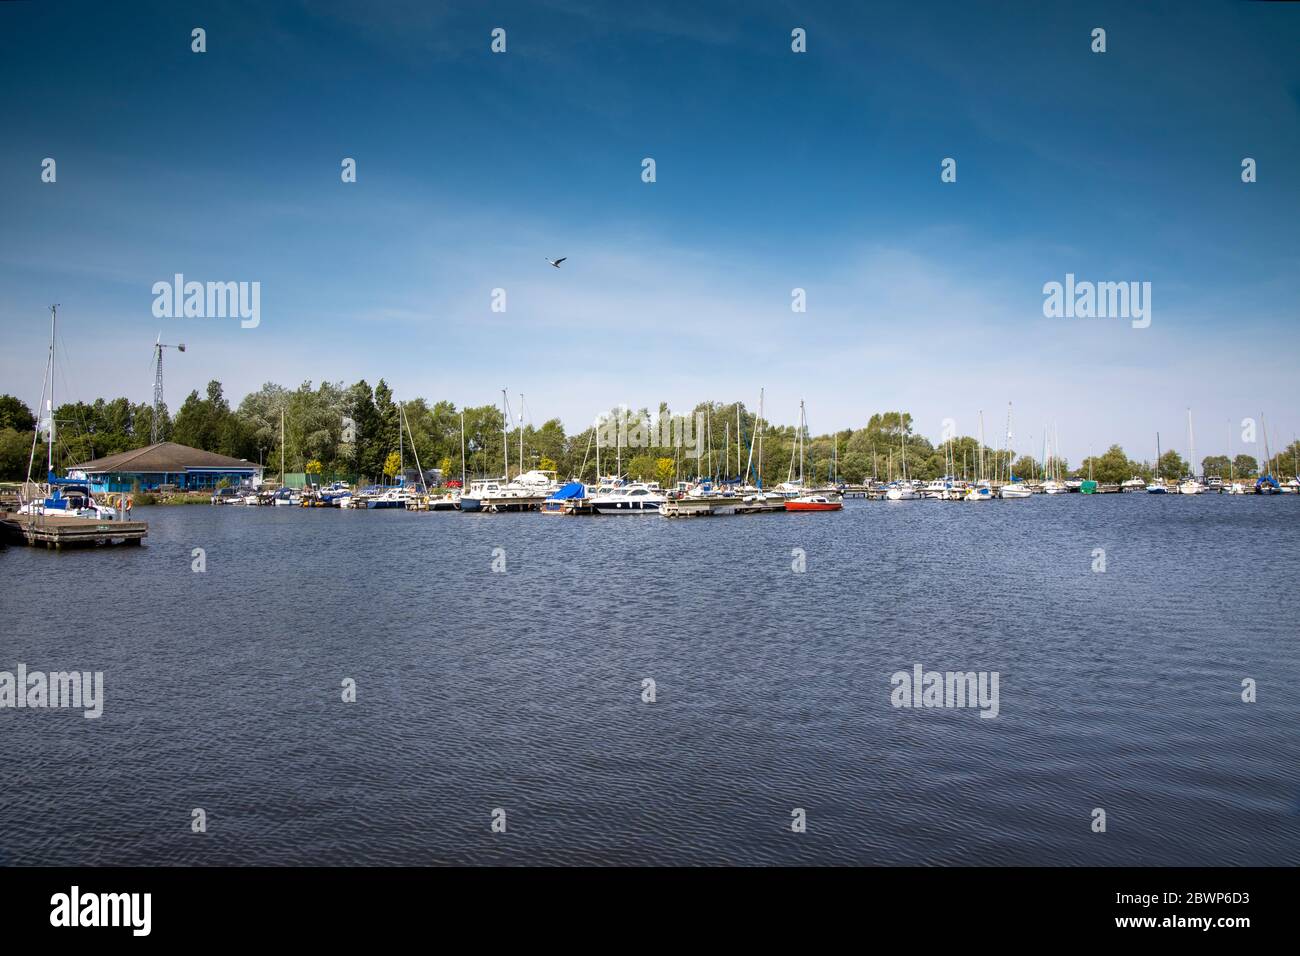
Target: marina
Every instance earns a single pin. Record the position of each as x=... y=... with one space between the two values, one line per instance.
x=297 y=578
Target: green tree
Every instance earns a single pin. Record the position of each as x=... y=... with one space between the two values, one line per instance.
x=1172 y=466
x=1245 y=466
x=1025 y=467
x=368 y=449
x=15 y=415
x=642 y=468
x=15 y=450
x=1112 y=467
x=1216 y=465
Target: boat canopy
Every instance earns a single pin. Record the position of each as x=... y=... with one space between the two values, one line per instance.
x=574 y=489
x=1266 y=480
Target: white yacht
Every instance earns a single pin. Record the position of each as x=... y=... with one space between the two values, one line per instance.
x=1015 y=489
x=1190 y=486
x=65 y=498
x=901 y=491
x=635 y=498
x=1133 y=484
x=938 y=488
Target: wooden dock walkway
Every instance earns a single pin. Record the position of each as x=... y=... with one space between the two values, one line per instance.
x=718 y=505
x=59 y=531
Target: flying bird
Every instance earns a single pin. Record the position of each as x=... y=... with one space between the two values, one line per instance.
x=556 y=262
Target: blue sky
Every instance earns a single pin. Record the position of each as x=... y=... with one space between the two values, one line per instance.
x=775 y=170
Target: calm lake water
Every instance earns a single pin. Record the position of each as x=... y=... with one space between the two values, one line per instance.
x=523 y=690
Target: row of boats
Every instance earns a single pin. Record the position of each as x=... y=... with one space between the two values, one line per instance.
x=336 y=495
x=951 y=489
x=539 y=490
x=617 y=495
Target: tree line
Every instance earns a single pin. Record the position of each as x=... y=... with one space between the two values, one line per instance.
x=352 y=432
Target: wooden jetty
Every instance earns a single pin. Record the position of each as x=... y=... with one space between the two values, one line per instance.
x=60 y=531
x=714 y=505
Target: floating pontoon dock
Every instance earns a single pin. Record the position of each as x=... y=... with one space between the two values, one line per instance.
x=59 y=531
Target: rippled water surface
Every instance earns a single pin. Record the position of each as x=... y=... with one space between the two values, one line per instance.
x=480 y=690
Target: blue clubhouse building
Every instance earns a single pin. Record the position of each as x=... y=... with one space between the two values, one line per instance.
x=166 y=463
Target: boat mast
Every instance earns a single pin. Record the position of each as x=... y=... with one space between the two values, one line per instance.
x=462 y=449
x=505 y=433
x=1231 y=471
x=752 y=439
x=418 y=467
x=902 y=444
x=1191 y=441
x=521 y=433
x=1008 y=442
x=281 y=446
x=737 y=439
x=54 y=317
x=802 y=428
x=759 y=426
x=1268 y=454
x=1157 y=456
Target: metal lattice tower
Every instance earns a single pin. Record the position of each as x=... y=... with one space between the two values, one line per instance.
x=156 y=425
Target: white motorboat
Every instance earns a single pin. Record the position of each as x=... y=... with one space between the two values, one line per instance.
x=635 y=498
x=900 y=491
x=1133 y=484
x=938 y=488
x=1015 y=489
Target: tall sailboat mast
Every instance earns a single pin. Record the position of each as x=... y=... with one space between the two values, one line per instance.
x=54 y=318
x=802 y=428
x=505 y=433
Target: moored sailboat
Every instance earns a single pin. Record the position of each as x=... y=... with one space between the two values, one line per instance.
x=1190 y=486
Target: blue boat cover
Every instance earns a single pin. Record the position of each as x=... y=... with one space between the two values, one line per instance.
x=1267 y=480
x=574 y=489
